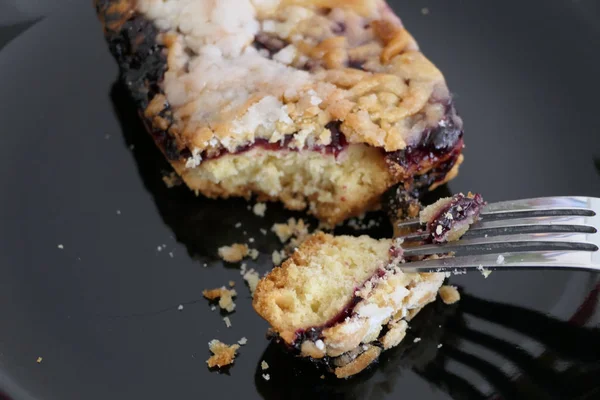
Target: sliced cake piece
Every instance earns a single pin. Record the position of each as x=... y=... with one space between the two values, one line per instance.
x=343 y=299
x=319 y=104
x=449 y=218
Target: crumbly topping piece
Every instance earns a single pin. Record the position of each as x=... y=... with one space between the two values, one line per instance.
x=242 y=341
x=224 y=295
x=234 y=253
x=449 y=294
x=223 y=354
x=264 y=365
x=227 y=322
x=259 y=209
x=239 y=71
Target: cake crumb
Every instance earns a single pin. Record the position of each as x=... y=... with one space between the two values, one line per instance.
x=293 y=227
x=224 y=295
x=251 y=240
x=439 y=346
x=500 y=259
x=234 y=253
x=39 y=360
x=417 y=340
x=227 y=322
x=259 y=209
x=242 y=341
x=484 y=271
x=264 y=365
x=60 y=246
x=322 y=376
x=205 y=265
x=424 y=10
x=231 y=283
x=118 y=212
x=238 y=225
x=251 y=277
x=180 y=307
x=266 y=377
x=171 y=180
x=223 y=354
x=449 y=294
x=213 y=308
x=276 y=257
x=171 y=254
x=253 y=253
x=263 y=231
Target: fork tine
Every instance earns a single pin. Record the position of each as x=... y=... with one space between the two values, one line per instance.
x=507 y=243
x=573 y=223
x=582 y=260
x=528 y=208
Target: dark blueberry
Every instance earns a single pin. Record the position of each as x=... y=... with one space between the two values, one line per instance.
x=269 y=42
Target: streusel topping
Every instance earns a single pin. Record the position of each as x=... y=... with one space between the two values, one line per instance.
x=239 y=70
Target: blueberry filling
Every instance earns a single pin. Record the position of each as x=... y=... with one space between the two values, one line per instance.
x=436 y=143
x=461 y=210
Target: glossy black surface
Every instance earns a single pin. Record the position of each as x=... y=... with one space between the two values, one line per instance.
x=102 y=311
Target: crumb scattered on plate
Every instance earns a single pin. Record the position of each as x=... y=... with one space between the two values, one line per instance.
x=424 y=10
x=259 y=209
x=171 y=180
x=293 y=227
x=439 y=346
x=417 y=340
x=224 y=295
x=264 y=365
x=227 y=322
x=234 y=253
x=253 y=253
x=222 y=354
x=180 y=307
x=484 y=271
x=242 y=341
x=449 y=294
x=60 y=246
x=231 y=283
x=39 y=360
x=252 y=278
x=263 y=231
x=266 y=377
x=238 y=225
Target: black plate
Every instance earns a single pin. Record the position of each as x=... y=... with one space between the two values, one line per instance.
x=103 y=311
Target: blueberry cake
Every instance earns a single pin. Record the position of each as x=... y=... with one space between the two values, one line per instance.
x=320 y=104
x=449 y=218
x=341 y=300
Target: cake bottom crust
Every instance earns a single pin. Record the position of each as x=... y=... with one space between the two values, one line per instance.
x=333 y=187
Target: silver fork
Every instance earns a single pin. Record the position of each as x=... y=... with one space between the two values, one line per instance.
x=546 y=233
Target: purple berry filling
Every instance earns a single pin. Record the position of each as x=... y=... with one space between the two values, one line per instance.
x=460 y=211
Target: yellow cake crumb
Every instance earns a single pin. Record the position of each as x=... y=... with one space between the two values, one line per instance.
x=292 y=228
x=252 y=278
x=224 y=295
x=264 y=365
x=259 y=209
x=449 y=294
x=39 y=360
x=234 y=253
x=227 y=322
x=223 y=354
x=253 y=253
